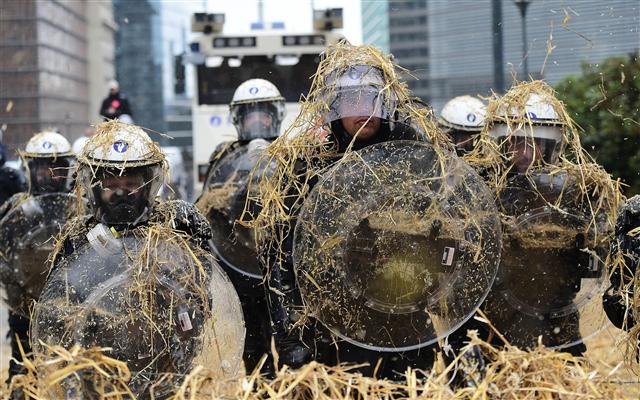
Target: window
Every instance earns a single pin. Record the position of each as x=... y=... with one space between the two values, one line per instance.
x=408 y=5
x=415 y=52
x=408 y=37
x=408 y=21
x=216 y=85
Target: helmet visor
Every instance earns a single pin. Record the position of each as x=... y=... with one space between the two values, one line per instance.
x=256 y=121
x=49 y=175
x=529 y=147
x=124 y=196
x=525 y=152
x=358 y=101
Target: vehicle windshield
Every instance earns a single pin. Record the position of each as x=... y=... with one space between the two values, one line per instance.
x=216 y=85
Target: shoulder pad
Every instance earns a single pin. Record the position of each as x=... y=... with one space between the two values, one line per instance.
x=185 y=217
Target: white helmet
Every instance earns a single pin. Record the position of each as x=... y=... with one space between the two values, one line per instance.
x=356 y=76
x=122 y=170
x=79 y=144
x=47 y=161
x=48 y=144
x=464 y=113
x=257 y=110
x=121 y=145
x=537 y=123
x=539 y=109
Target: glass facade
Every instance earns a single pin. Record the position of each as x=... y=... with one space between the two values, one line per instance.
x=409 y=42
x=461 y=49
x=375 y=23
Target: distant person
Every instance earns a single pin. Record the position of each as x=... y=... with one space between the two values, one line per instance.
x=115 y=104
x=79 y=143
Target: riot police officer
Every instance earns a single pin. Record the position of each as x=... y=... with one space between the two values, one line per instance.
x=551 y=268
x=376 y=318
x=257 y=111
x=356 y=118
x=28 y=221
x=463 y=119
x=136 y=275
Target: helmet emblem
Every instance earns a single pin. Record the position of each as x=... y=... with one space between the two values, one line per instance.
x=120 y=146
x=215 y=120
x=354 y=74
x=46 y=145
x=471 y=117
x=253 y=90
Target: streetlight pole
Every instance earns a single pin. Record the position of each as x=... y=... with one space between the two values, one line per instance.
x=498 y=59
x=522 y=6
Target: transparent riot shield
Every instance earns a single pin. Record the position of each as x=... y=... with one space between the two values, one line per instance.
x=396 y=246
x=159 y=308
x=224 y=201
x=27 y=235
x=552 y=273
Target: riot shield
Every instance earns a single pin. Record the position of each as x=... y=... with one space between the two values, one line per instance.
x=552 y=273
x=27 y=235
x=396 y=246
x=159 y=308
x=223 y=203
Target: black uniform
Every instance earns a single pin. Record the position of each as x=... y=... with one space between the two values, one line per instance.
x=186 y=218
x=28 y=223
x=119 y=103
x=177 y=292
x=534 y=284
x=297 y=347
x=622 y=278
x=249 y=287
x=18 y=323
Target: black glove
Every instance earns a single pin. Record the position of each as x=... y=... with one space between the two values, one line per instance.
x=615 y=309
x=292 y=352
x=186 y=218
